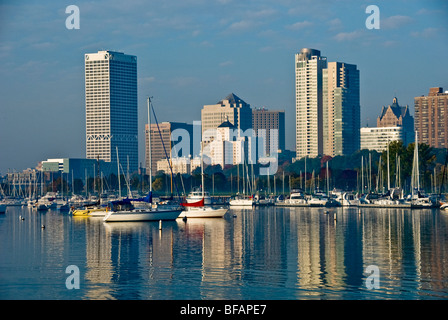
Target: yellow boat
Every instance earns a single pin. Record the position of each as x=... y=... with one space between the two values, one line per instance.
x=97 y=211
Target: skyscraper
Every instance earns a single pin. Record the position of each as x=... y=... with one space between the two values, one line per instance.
x=341 y=109
x=431 y=118
x=232 y=109
x=168 y=142
x=269 y=125
x=111 y=107
x=308 y=83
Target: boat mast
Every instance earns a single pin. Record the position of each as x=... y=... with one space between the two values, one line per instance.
x=388 y=169
x=202 y=169
x=149 y=147
x=118 y=171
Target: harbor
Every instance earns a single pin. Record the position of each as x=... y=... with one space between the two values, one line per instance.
x=261 y=252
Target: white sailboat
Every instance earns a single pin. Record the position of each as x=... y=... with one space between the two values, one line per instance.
x=416 y=198
x=124 y=211
x=198 y=209
x=242 y=200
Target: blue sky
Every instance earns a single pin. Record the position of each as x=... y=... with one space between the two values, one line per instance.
x=195 y=52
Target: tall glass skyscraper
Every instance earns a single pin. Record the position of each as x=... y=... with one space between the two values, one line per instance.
x=341 y=109
x=111 y=108
x=309 y=135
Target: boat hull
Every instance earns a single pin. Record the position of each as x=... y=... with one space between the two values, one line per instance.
x=143 y=215
x=241 y=202
x=203 y=212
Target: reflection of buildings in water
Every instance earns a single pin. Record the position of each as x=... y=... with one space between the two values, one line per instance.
x=99 y=269
x=399 y=255
x=432 y=258
x=209 y=236
x=382 y=241
x=321 y=249
x=308 y=247
x=122 y=253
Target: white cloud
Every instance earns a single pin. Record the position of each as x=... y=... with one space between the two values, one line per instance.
x=426 y=33
x=226 y=63
x=395 y=22
x=299 y=25
x=348 y=36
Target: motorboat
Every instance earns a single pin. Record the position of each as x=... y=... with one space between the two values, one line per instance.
x=318 y=201
x=349 y=199
x=297 y=198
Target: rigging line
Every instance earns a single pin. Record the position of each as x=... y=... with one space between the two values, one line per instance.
x=164 y=149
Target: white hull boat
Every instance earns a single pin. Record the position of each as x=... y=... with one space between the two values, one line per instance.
x=142 y=215
x=203 y=212
x=241 y=202
x=196 y=196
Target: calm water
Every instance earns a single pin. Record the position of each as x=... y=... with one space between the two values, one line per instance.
x=266 y=253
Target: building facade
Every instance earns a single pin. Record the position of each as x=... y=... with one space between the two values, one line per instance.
x=431 y=118
x=111 y=107
x=309 y=100
x=225 y=149
x=395 y=115
x=341 y=115
x=232 y=109
x=82 y=168
x=269 y=127
x=377 y=138
x=176 y=138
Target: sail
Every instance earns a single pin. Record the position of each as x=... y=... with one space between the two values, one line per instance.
x=199 y=203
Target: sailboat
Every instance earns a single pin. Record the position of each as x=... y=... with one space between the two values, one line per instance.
x=198 y=209
x=242 y=200
x=416 y=198
x=124 y=211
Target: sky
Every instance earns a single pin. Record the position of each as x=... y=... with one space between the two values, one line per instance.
x=193 y=53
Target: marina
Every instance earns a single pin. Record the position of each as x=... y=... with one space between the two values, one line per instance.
x=260 y=252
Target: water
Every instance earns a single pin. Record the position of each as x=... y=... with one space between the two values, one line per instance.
x=266 y=253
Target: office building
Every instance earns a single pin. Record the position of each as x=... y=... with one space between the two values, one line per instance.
x=431 y=118
x=182 y=165
x=341 y=115
x=82 y=168
x=225 y=149
x=232 y=109
x=308 y=90
x=111 y=107
x=396 y=115
x=377 y=138
x=176 y=141
x=269 y=127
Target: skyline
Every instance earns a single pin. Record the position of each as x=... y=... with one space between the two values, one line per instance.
x=194 y=53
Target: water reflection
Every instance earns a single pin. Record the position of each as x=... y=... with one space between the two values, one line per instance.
x=266 y=253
